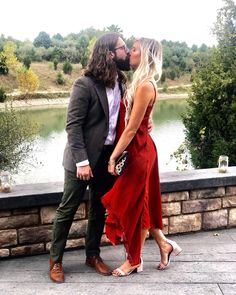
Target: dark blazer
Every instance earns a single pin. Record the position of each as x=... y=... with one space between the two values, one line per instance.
x=87 y=123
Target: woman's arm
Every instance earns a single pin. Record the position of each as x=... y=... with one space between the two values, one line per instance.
x=144 y=96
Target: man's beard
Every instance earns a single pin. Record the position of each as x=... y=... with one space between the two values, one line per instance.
x=122 y=64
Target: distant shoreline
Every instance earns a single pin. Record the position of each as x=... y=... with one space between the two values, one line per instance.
x=61 y=102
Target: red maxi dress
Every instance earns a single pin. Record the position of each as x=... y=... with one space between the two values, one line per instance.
x=134 y=202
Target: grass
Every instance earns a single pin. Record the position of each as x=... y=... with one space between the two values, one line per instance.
x=47 y=79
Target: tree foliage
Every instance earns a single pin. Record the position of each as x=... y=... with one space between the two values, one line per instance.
x=179 y=59
x=42 y=40
x=114 y=28
x=27 y=62
x=3 y=65
x=16 y=138
x=8 y=57
x=27 y=80
x=210 y=120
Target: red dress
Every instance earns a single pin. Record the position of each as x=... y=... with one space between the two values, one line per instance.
x=134 y=202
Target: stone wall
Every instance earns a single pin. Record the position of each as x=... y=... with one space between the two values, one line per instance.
x=192 y=201
x=195 y=210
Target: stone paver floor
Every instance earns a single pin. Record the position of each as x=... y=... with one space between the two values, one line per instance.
x=207 y=265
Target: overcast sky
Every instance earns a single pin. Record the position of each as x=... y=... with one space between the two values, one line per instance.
x=177 y=20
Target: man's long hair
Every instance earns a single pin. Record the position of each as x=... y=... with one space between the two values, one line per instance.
x=100 y=66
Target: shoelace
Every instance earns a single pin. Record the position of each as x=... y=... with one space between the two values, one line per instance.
x=57 y=267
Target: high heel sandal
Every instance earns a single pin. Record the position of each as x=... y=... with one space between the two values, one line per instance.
x=121 y=273
x=176 y=250
x=141 y=261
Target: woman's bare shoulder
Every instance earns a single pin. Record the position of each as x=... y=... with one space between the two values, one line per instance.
x=146 y=88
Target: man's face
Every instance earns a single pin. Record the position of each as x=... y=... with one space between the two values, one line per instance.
x=121 y=56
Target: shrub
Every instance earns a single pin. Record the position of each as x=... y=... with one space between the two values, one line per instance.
x=3 y=95
x=60 y=79
x=28 y=81
x=67 y=67
x=55 y=63
x=16 y=138
x=165 y=88
x=163 y=77
x=172 y=74
x=84 y=60
x=27 y=62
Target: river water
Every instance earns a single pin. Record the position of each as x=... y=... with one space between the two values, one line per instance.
x=44 y=163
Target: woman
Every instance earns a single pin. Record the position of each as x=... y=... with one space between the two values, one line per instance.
x=134 y=202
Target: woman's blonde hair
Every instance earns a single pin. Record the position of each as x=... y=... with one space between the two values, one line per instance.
x=150 y=67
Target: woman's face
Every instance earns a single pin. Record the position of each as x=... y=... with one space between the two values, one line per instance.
x=135 y=55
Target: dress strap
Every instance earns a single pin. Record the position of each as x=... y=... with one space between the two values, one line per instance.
x=154 y=90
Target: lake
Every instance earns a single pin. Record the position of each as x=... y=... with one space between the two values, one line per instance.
x=45 y=162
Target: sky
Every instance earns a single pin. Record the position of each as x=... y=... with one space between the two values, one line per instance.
x=187 y=21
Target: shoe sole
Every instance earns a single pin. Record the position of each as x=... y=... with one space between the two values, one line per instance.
x=100 y=273
x=54 y=281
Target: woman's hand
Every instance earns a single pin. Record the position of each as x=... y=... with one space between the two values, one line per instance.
x=111 y=167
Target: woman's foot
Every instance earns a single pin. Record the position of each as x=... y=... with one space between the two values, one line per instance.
x=126 y=269
x=166 y=249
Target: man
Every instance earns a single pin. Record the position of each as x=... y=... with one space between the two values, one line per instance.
x=91 y=129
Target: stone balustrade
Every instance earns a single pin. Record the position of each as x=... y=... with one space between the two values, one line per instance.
x=192 y=201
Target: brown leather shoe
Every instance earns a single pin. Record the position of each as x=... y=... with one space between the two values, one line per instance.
x=56 y=272
x=100 y=267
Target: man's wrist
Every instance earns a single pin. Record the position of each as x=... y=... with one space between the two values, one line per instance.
x=82 y=163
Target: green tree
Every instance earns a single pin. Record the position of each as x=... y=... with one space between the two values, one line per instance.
x=210 y=120
x=26 y=49
x=16 y=138
x=57 y=37
x=42 y=40
x=114 y=28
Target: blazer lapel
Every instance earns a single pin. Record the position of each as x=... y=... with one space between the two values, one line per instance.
x=101 y=91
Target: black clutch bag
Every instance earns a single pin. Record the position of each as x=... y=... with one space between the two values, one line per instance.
x=121 y=163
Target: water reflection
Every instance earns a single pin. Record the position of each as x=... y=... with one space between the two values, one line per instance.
x=167 y=133
x=168 y=110
x=49 y=120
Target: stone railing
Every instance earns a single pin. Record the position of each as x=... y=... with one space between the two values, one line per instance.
x=192 y=201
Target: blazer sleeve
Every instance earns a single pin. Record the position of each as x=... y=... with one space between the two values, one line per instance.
x=77 y=112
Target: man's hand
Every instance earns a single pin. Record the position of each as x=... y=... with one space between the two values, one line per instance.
x=84 y=172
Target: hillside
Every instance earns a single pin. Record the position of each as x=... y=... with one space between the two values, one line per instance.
x=47 y=77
